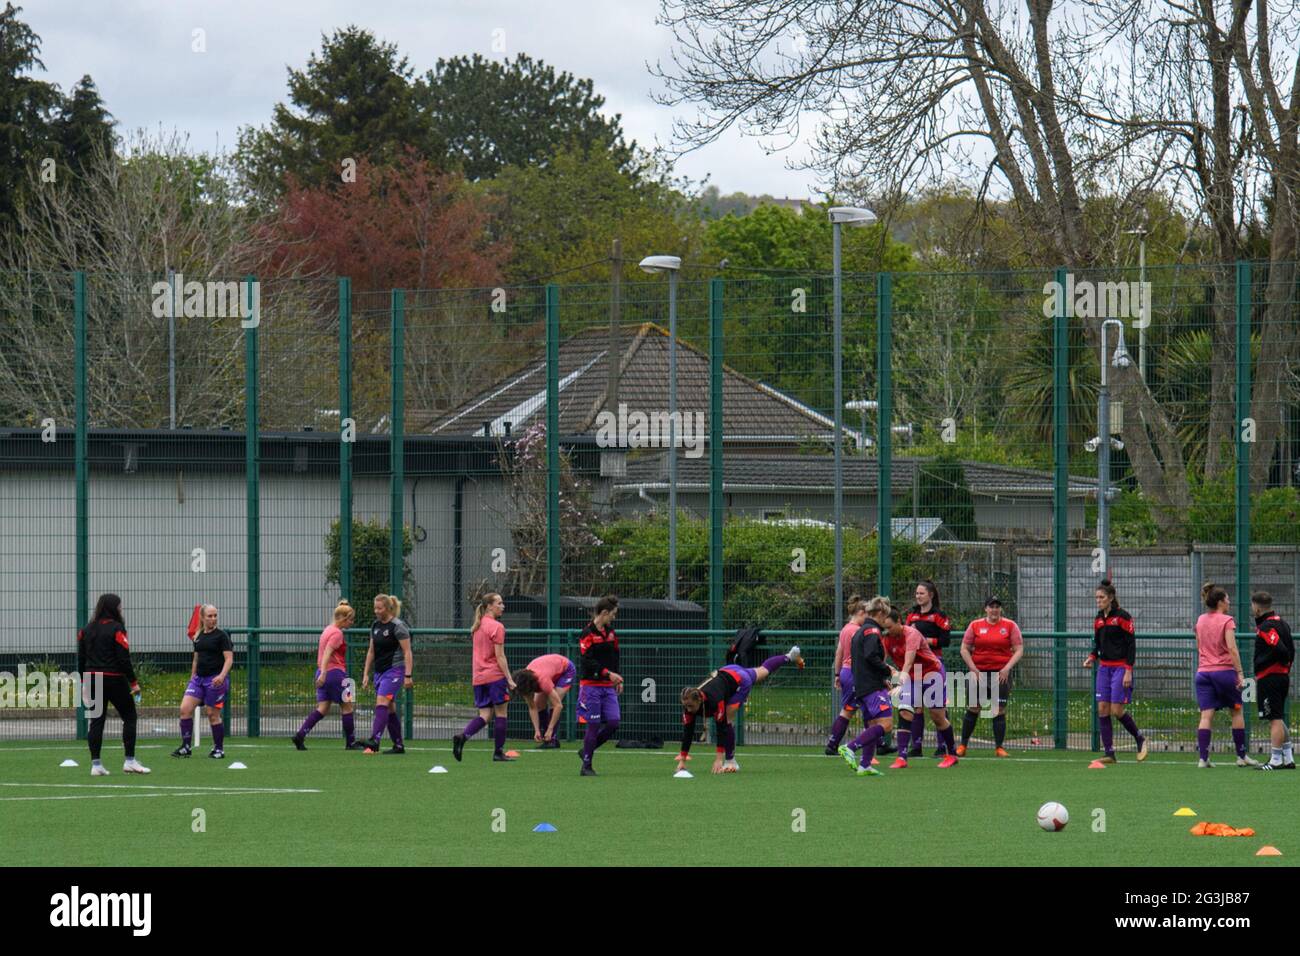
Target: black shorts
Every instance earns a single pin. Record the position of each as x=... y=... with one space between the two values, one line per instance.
x=985 y=694
x=1271 y=691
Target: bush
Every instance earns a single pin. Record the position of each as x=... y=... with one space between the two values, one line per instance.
x=369 y=566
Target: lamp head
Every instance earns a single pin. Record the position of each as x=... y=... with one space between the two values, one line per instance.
x=851 y=214
x=653 y=264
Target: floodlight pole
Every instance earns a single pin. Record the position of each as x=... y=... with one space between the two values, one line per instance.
x=1103 y=449
x=838 y=295
x=672 y=435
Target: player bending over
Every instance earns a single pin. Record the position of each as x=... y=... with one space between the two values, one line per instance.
x=924 y=683
x=544 y=682
x=721 y=697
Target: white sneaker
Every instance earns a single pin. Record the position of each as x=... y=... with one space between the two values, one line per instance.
x=1203 y=764
x=98 y=770
x=730 y=766
x=1247 y=761
x=134 y=766
x=794 y=655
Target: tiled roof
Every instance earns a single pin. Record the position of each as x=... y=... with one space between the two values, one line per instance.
x=816 y=473
x=752 y=411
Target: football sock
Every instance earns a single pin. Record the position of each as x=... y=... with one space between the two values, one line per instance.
x=999 y=729
x=1107 y=735
x=380 y=722
x=866 y=742
x=968 y=721
x=187 y=731
x=729 y=741
x=1131 y=726
x=312 y=720
x=1203 y=743
x=946 y=736
x=473 y=727
x=589 y=742
x=218 y=735
x=1239 y=740
x=395 y=728
x=903 y=737
x=349 y=728
x=774 y=663
x=544 y=720
x=607 y=729
x=838 y=729
x=918 y=728
x=499 y=733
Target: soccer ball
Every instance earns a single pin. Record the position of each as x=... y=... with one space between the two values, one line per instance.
x=1052 y=817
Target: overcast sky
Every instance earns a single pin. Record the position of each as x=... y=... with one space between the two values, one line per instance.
x=139 y=53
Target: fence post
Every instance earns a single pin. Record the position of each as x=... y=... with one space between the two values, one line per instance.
x=252 y=458
x=80 y=444
x=552 y=456
x=397 y=475
x=884 y=433
x=1060 y=519
x=716 y=500
x=1243 y=310
x=345 y=449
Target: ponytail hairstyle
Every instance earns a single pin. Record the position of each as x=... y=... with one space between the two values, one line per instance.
x=108 y=606
x=526 y=681
x=1212 y=594
x=343 y=612
x=485 y=601
x=934 y=592
x=1107 y=588
x=608 y=603
x=390 y=602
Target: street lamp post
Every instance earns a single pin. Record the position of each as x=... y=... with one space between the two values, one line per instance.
x=670 y=265
x=840 y=215
x=1145 y=319
x=1103 y=443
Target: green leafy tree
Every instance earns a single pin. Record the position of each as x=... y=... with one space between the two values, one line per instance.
x=27 y=107
x=83 y=128
x=490 y=114
x=353 y=99
x=943 y=492
x=370 y=566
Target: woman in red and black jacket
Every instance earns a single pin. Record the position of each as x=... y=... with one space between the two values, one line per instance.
x=1114 y=649
x=936 y=628
x=107 y=677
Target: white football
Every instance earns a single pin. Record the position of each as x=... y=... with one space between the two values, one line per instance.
x=1052 y=817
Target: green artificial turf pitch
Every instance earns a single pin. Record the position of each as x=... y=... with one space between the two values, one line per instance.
x=328 y=806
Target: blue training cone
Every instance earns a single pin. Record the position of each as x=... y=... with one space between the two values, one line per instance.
x=543 y=828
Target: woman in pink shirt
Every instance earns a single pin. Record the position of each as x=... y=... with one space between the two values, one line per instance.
x=333 y=686
x=842 y=674
x=545 y=681
x=492 y=680
x=1219 y=676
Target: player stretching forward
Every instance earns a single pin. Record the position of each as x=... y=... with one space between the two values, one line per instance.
x=842 y=674
x=1115 y=649
x=926 y=616
x=991 y=645
x=545 y=681
x=1274 y=654
x=388 y=636
x=1219 y=676
x=871 y=674
x=720 y=697
x=214 y=656
x=332 y=684
x=910 y=652
x=601 y=682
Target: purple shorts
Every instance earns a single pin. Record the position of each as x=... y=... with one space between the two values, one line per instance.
x=490 y=695
x=597 y=705
x=337 y=689
x=746 y=676
x=1110 y=684
x=931 y=692
x=390 y=681
x=874 y=705
x=201 y=687
x=1216 y=690
x=567 y=678
x=847 y=700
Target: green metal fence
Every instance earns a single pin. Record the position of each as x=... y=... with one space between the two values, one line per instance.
x=439 y=443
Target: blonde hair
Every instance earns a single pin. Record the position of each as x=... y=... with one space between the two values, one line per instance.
x=484 y=602
x=391 y=602
x=856 y=604
x=343 y=612
x=878 y=605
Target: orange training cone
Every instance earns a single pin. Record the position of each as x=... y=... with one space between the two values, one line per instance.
x=1269 y=851
x=1096 y=765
